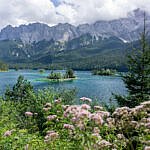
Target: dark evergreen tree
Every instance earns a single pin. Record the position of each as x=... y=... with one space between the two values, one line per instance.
x=69 y=74
x=137 y=80
x=20 y=91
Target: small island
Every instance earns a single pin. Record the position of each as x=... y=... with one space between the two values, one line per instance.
x=104 y=72
x=3 y=67
x=41 y=71
x=57 y=76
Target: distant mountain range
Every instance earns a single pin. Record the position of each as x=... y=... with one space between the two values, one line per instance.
x=86 y=46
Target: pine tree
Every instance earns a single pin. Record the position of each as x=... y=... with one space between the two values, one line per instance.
x=69 y=74
x=137 y=80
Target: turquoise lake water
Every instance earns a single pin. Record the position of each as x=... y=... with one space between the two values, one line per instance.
x=95 y=87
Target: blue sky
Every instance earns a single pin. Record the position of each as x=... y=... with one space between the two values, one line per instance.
x=56 y=2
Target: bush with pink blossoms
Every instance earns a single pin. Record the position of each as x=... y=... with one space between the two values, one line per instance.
x=57 y=125
x=98 y=129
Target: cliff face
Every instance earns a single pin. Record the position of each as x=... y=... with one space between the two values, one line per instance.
x=37 y=32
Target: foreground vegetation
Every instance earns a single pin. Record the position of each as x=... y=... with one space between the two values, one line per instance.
x=50 y=119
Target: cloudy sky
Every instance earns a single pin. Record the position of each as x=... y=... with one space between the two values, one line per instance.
x=51 y=12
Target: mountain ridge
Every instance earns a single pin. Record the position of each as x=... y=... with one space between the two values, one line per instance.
x=126 y=29
x=87 y=46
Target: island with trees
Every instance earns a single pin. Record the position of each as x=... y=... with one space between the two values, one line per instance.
x=57 y=76
x=3 y=67
x=104 y=72
x=41 y=70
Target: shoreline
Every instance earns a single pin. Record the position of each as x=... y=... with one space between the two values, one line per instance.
x=4 y=71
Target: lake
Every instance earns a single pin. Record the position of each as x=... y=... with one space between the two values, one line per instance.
x=95 y=87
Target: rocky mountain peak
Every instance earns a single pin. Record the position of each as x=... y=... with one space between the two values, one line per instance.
x=126 y=29
x=137 y=14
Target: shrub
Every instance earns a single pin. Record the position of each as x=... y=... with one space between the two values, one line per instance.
x=20 y=91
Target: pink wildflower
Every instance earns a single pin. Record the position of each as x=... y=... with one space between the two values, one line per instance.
x=148 y=120
x=120 y=136
x=80 y=125
x=103 y=113
x=104 y=143
x=8 y=133
x=139 y=108
x=86 y=99
x=74 y=119
x=69 y=126
x=110 y=122
x=147 y=125
x=96 y=130
x=48 y=105
x=83 y=113
x=71 y=110
x=97 y=119
x=51 y=135
x=46 y=109
x=51 y=117
x=85 y=106
x=28 y=113
x=146 y=103
x=65 y=115
x=65 y=107
x=57 y=101
x=147 y=148
x=98 y=108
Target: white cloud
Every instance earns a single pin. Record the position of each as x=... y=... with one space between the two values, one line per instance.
x=16 y=12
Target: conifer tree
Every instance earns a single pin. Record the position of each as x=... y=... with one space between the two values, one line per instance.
x=137 y=80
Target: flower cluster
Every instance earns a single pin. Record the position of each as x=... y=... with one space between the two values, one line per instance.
x=98 y=108
x=79 y=118
x=29 y=114
x=51 y=117
x=8 y=133
x=57 y=101
x=51 y=136
x=47 y=106
x=80 y=113
x=68 y=126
